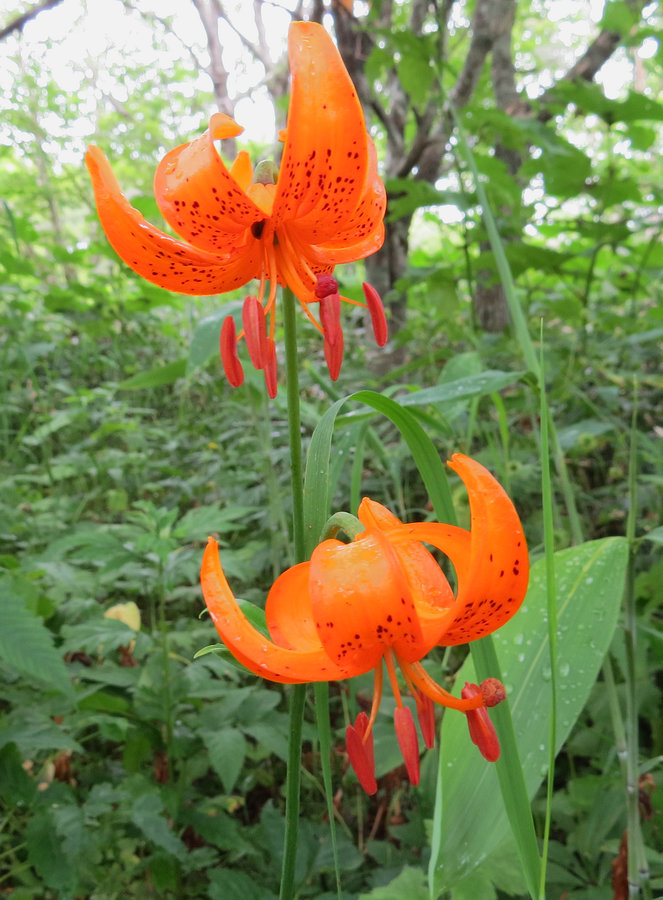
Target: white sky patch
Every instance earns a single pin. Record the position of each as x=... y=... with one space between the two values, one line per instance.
x=74 y=44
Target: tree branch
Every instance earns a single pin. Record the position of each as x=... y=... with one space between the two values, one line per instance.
x=17 y=24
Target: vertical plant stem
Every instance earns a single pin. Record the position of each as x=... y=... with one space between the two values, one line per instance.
x=294 y=423
x=551 y=596
x=638 y=868
x=298 y=692
x=518 y=322
x=165 y=672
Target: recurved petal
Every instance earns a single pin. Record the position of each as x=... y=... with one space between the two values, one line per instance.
x=198 y=196
x=325 y=156
x=156 y=256
x=247 y=644
x=288 y=610
x=362 y=233
x=492 y=567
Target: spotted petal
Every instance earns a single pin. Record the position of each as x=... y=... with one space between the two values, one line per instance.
x=325 y=157
x=198 y=196
x=157 y=256
x=247 y=644
x=493 y=576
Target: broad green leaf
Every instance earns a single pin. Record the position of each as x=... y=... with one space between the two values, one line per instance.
x=32 y=730
x=44 y=847
x=411 y=883
x=232 y=884
x=155 y=377
x=16 y=786
x=99 y=636
x=317 y=483
x=26 y=645
x=227 y=749
x=200 y=521
x=469 y=386
x=147 y=814
x=589 y=581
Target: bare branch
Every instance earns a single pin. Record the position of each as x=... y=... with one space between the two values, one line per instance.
x=209 y=16
x=17 y=24
x=492 y=19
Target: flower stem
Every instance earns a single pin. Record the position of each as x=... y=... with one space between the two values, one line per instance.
x=298 y=692
x=294 y=422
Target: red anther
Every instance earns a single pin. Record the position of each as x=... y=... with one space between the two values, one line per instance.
x=330 y=317
x=492 y=691
x=408 y=741
x=270 y=367
x=255 y=331
x=325 y=285
x=361 y=754
x=334 y=357
x=228 y=349
x=482 y=730
x=426 y=716
x=378 y=318
x=361 y=725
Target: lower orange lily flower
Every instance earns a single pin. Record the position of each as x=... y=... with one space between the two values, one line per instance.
x=383 y=598
x=292 y=226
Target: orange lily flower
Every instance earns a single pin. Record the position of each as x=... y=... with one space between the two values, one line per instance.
x=383 y=598
x=325 y=206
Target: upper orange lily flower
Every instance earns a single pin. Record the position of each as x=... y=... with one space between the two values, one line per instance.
x=290 y=227
x=383 y=597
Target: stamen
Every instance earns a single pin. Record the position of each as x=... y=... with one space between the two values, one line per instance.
x=255 y=332
x=378 y=679
x=482 y=730
x=425 y=710
x=406 y=734
x=426 y=716
x=378 y=318
x=270 y=368
x=228 y=350
x=361 y=753
x=420 y=677
x=393 y=678
x=330 y=319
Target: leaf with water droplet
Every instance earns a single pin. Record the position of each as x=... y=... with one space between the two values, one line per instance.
x=589 y=581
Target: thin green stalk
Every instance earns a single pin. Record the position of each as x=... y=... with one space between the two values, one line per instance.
x=298 y=692
x=518 y=321
x=638 y=867
x=324 y=735
x=294 y=422
x=551 y=596
x=165 y=672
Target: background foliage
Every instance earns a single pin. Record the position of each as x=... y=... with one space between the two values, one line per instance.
x=127 y=769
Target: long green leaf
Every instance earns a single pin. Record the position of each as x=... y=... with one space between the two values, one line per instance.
x=317 y=487
x=589 y=588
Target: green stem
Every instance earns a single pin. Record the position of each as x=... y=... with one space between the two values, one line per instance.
x=519 y=323
x=294 y=422
x=551 y=596
x=638 y=867
x=298 y=693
